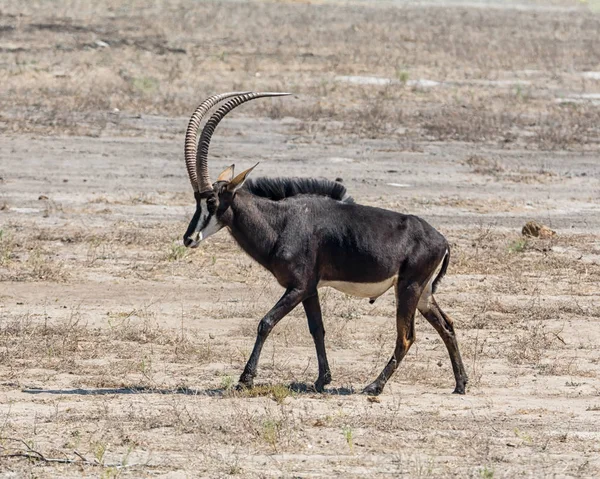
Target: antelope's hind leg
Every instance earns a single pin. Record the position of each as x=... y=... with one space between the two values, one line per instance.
x=443 y=325
x=407 y=297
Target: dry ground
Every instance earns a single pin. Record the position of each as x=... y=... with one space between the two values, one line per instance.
x=119 y=348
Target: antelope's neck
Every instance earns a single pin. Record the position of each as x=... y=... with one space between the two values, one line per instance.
x=253 y=225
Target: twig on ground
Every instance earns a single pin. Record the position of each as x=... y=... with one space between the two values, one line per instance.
x=33 y=454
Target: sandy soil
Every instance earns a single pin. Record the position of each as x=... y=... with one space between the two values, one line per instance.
x=119 y=348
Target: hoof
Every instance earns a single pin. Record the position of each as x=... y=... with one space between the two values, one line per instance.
x=460 y=386
x=322 y=382
x=243 y=387
x=245 y=383
x=373 y=390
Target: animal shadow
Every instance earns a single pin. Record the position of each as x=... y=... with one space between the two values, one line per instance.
x=296 y=387
x=127 y=390
x=303 y=388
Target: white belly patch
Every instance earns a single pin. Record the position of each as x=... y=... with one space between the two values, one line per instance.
x=362 y=290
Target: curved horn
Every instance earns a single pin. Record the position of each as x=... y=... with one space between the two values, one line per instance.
x=191 y=135
x=209 y=129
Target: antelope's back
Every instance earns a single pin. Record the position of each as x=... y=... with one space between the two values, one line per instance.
x=367 y=244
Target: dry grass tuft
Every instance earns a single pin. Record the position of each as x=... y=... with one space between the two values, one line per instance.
x=7 y=246
x=484 y=166
x=277 y=392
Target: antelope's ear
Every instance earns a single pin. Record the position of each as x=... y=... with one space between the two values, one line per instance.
x=226 y=174
x=239 y=180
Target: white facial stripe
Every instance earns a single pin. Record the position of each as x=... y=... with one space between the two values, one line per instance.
x=203 y=215
x=211 y=228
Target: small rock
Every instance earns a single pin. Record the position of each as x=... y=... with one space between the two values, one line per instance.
x=42 y=197
x=537 y=230
x=101 y=44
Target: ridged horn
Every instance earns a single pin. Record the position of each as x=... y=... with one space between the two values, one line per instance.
x=209 y=129
x=191 y=136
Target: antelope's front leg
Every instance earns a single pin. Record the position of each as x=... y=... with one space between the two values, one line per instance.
x=315 y=325
x=290 y=299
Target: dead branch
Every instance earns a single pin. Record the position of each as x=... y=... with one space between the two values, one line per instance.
x=33 y=454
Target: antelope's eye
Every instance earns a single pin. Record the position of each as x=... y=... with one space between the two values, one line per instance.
x=211 y=204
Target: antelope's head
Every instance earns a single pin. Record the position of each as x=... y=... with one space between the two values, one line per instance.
x=212 y=200
x=212 y=206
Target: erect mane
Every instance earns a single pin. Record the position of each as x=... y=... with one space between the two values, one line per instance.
x=277 y=189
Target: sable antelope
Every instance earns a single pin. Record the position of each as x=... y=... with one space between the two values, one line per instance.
x=309 y=233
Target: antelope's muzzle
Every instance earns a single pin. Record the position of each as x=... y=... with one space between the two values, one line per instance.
x=191 y=241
